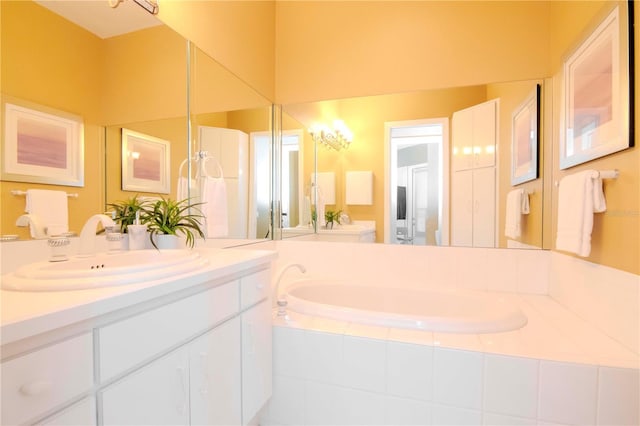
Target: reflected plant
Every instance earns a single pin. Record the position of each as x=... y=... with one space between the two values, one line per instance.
x=124 y=212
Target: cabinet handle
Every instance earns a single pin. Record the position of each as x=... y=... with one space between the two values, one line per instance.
x=182 y=405
x=36 y=388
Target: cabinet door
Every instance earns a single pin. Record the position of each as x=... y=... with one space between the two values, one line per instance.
x=157 y=394
x=462 y=208
x=81 y=413
x=214 y=371
x=462 y=140
x=484 y=207
x=484 y=134
x=256 y=359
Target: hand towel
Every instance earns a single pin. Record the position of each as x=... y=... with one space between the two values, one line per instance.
x=51 y=207
x=214 y=196
x=579 y=197
x=517 y=205
x=183 y=189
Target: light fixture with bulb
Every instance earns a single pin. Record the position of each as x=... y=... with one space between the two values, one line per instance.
x=338 y=137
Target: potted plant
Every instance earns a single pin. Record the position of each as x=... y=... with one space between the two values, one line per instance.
x=124 y=212
x=330 y=217
x=170 y=217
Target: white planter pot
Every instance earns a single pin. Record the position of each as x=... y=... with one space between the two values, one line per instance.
x=167 y=242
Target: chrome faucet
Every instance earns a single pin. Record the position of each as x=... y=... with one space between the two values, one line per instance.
x=88 y=233
x=282 y=302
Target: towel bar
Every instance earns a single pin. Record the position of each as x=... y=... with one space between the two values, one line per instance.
x=18 y=192
x=602 y=174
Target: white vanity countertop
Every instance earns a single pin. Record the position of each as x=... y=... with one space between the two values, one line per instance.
x=26 y=314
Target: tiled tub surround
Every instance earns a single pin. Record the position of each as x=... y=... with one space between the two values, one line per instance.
x=559 y=369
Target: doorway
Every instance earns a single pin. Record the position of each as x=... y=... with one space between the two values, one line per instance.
x=416 y=182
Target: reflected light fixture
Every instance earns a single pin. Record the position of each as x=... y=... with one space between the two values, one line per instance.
x=150 y=6
x=338 y=137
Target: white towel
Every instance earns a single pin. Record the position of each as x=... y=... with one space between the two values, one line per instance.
x=183 y=189
x=51 y=209
x=579 y=197
x=517 y=205
x=214 y=196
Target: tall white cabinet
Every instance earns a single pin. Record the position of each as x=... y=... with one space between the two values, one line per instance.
x=230 y=148
x=473 y=176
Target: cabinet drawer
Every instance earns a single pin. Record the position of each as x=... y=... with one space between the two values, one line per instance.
x=131 y=341
x=254 y=288
x=46 y=378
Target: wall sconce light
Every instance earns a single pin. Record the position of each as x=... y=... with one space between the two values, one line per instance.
x=338 y=137
x=150 y=6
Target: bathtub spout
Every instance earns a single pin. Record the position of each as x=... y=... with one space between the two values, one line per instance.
x=281 y=301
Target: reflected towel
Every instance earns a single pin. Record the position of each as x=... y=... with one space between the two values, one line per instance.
x=517 y=205
x=183 y=189
x=51 y=208
x=579 y=197
x=214 y=209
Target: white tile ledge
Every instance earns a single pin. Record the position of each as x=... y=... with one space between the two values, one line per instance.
x=553 y=333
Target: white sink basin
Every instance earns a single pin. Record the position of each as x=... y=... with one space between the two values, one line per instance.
x=103 y=270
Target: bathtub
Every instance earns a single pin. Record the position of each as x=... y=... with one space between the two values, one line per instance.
x=456 y=311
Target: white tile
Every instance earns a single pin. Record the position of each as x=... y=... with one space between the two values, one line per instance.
x=286 y=406
x=289 y=352
x=618 y=396
x=362 y=408
x=532 y=271
x=468 y=342
x=364 y=363
x=511 y=385
x=458 y=378
x=473 y=273
x=323 y=404
x=443 y=415
x=400 y=411
x=567 y=393
x=419 y=337
x=327 y=325
x=370 y=331
x=491 y=419
x=502 y=264
x=324 y=357
x=410 y=370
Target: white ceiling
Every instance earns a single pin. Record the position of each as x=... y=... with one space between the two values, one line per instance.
x=101 y=19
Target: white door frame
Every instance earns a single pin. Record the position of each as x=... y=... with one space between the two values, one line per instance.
x=389 y=159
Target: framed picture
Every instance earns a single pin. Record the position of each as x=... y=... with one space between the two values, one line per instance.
x=597 y=91
x=145 y=163
x=42 y=145
x=525 y=139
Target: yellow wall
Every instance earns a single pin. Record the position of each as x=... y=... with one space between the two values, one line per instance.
x=240 y=35
x=71 y=85
x=511 y=95
x=366 y=117
x=328 y=49
x=145 y=76
x=615 y=233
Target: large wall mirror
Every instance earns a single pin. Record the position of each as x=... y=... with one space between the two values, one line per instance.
x=402 y=145
x=146 y=81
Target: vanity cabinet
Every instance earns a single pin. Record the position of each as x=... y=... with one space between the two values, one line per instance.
x=201 y=356
x=156 y=394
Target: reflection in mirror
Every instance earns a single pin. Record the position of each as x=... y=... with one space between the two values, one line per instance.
x=230 y=151
x=424 y=154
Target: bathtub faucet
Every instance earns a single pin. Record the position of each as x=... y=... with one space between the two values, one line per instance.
x=281 y=301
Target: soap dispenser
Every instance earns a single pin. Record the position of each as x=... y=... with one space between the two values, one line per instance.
x=137 y=234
